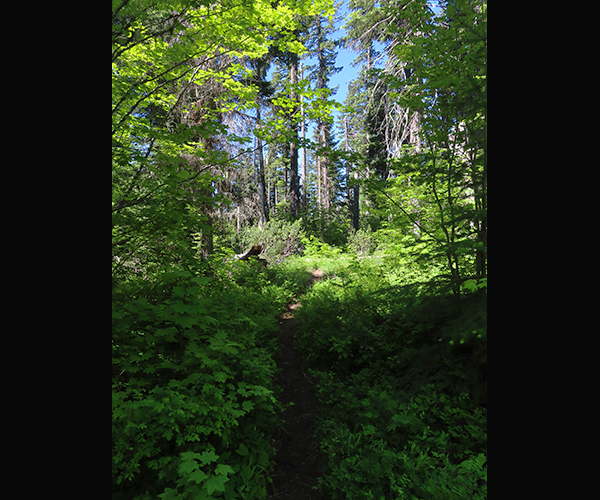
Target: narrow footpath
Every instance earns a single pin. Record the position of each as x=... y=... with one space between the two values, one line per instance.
x=298 y=460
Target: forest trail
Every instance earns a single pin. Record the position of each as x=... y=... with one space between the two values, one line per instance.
x=298 y=462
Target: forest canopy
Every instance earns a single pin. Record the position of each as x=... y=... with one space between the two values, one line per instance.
x=226 y=137
x=212 y=104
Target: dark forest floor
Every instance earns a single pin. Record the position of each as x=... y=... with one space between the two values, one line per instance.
x=298 y=461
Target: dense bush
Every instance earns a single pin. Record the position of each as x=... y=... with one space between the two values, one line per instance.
x=317 y=248
x=193 y=404
x=400 y=366
x=330 y=226
x=380 y=445
x=362 y=242
x=401 y=374
x=278 y=239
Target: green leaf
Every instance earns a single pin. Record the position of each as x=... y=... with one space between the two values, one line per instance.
x=248 y=405
x=224 y=469
x=209 y=319
x=179 y=307
x=197 y=476
x=188 y=465
x=216 y=483
x=243 y=450
x=208 y=457
x=470 y=285
x=170 y=494
x=185 y=321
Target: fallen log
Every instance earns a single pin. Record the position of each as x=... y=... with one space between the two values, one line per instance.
x=253 y=252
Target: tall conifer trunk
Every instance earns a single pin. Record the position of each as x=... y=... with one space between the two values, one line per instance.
x=262 y=197
x=355 y=198
x=303 y=132
x=294 y=181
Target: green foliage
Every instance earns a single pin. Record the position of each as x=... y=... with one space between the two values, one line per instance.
x=278 y=239
x=291 y=275
x=473 y=285
x=401 y=372
x=401 y=363
x=330 y=226
x=362 y=242
x=314 y=247
x=192 y=383
x=427 y=177
x=431 y=446
x=197 y=483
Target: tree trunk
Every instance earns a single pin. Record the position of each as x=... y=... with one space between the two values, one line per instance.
x=262 y=198
x=319 y=190
x=303 y=132
x=206 y=236
x=356 y=209
x=324 y=170
x=414 y=130
x=347 y=148
x=355 y=206
x=294 y=181
x=321 y=163
x=414 y=126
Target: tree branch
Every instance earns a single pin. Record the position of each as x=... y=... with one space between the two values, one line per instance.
x=123 y=4
x=410 y=217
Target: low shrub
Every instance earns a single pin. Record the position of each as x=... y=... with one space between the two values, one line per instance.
x=400 y=378
x=317 y=248
x=362 y=241
x=278 y=238
x=193 y=404
x=381 y=446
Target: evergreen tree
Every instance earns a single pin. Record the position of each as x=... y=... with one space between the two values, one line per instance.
x=321 y=46
x=294 y=123
x=265 y=91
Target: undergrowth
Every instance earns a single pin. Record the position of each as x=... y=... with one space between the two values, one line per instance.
x=401 y=371
x=400 y=365
x=193 y=402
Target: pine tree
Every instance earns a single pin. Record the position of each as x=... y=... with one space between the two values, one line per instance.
x=265 y=90
x=323 y=48
x=294 y=115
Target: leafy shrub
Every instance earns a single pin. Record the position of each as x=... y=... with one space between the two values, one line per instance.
x=315 y=247
x=278 y=239
x=327 y=225
x=362 y=242
x=399 y=377
x=193 y=404
x=380 y=445
x=291 y=275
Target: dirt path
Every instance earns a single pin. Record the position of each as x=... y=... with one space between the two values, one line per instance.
x=298 y=460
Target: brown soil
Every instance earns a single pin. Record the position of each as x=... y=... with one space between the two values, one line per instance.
x=298 y=460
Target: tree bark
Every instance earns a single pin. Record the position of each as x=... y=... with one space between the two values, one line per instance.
x=303 y=132
x=262 y=198
x=294 y=181
x=356 y=209
x=319 y=190
x=326 y=195
x=347 y=148
x=355 y=198
x=321 y=162
x=414 y=130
